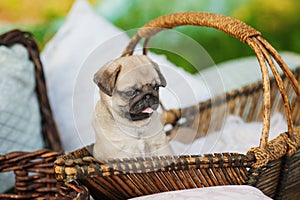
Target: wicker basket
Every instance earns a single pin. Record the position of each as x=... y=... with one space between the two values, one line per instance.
x=273 y=166
x=34 y=174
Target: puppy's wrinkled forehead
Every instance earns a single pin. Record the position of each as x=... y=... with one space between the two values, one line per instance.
x=137 y=71
x=125 y=72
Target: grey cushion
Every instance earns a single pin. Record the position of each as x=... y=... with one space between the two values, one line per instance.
x=20 y=121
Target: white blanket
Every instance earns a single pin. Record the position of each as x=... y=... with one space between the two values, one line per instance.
x=235 y=136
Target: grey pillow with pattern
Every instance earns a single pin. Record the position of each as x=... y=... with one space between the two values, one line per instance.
x=20 y=120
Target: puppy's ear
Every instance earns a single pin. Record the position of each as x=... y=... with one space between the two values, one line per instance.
x=163 y=81
x=106 y=77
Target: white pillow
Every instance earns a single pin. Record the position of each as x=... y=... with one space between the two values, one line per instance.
x=62 y=57
x=83 y=44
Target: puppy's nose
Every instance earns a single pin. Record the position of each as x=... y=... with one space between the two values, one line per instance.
x=148 y=96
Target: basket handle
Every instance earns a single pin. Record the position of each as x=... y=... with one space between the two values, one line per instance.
x=245 y=34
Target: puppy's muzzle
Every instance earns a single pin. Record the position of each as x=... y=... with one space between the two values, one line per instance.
x=143 y=107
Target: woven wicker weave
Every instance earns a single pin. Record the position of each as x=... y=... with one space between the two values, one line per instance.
x=273 y=166
x=34 y=174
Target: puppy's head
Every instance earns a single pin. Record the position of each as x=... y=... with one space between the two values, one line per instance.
x=132 y=86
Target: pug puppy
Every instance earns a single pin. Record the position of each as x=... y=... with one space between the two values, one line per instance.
x=125 y=120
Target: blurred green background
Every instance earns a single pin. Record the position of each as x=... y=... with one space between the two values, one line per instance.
x=277 y=20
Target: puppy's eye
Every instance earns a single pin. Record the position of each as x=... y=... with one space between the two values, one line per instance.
x=156 y=87
x=131 y=93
